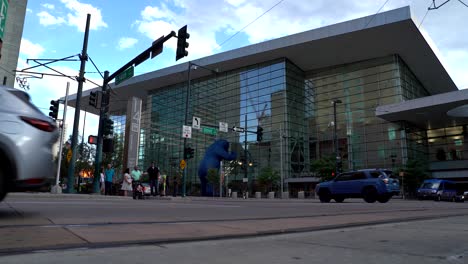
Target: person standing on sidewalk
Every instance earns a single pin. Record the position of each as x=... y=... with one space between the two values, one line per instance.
x=102 y=179
x=136 y=175
x=109 y=175
x=127 y=182
x=153 y=173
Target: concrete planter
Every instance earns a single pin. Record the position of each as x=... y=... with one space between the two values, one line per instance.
x=258 y=195
x=271 y=195
x=285 y=195
x=234 y=195
x=301 y=195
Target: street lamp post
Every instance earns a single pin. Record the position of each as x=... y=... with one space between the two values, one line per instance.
x=335 y=135
x=190 y=64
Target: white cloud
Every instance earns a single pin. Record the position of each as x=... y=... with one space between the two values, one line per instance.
x=29 y=10
x=48 y=6
x=125 y=43
x=79 y=14
x=47 y=19
x=30 y=50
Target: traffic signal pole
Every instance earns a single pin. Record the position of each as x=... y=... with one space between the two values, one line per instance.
x=102 y=113
x=152 y=51
x=81 y=79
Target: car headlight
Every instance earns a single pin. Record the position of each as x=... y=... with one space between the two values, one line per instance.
x=433 y=191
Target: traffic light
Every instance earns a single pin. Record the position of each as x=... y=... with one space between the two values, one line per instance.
x=182 y=43
x=108 y=127
x=188 y=153
x=54 y=108
x=92 y=140
x=259 y=133
x=93 y=99
x=108 y=145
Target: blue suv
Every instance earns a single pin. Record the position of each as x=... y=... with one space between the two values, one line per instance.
x=370 y=184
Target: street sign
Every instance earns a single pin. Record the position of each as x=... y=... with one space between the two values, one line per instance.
x=187 y=131
x=223 y=127
x=69 y=154
x=210 y=131
x=196 y=122
x=125 y=75
x=182 y=164
x=3 y=17
x=238 y=129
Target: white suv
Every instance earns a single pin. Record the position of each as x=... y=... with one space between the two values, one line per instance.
x=26 y=139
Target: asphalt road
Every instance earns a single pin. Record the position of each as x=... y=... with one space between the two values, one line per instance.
x=31 y=223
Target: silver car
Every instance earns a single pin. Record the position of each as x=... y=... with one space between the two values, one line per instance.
x=26 y=139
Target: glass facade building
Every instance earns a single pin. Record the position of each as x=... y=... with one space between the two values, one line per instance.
x=295 y=110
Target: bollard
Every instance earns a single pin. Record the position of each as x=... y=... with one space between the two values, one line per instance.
x=234 y=195
x=285 y=195
x=301 y=195
x=258 y=195
x=271 y=195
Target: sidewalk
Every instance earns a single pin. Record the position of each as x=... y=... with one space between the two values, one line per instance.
x=165 y=198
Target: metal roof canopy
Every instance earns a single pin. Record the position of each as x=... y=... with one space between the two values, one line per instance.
x=428 y=112
x=391 y=32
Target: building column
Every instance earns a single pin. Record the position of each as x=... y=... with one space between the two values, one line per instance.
x=132 y=132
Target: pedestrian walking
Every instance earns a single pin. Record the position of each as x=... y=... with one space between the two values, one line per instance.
x=127 y=182
x=109 y=177
x=153 y=173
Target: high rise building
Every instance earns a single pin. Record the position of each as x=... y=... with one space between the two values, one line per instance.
x=11 y=41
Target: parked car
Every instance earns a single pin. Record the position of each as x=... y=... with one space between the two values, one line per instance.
x=465 y=195
x=26 y=139
x=438 y=190
x=370 y=184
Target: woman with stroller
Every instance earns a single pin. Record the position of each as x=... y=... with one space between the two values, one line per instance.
x=127 y=182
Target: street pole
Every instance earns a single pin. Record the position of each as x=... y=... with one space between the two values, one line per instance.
x=221 y=170
x=102 y=113
x=184 y=177
x=281 y=160
x=81 y=79
x=57 y=188
x=246 y=167
x=335 y=135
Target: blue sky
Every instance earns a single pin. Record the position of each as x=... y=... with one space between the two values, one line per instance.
x=121 y=29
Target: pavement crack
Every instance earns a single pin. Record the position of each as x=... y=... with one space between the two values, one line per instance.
x=76 y=235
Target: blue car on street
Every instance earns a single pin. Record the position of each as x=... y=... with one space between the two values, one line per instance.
x=370 y=184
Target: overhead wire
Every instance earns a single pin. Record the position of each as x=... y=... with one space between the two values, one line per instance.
x=372 y=18
x=253 y=21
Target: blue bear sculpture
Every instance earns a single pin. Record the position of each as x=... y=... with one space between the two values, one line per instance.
x=215 y=153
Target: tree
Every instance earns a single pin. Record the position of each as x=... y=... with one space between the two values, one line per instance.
x=324 y=167
x=268 y=178
x=415 y=172
x=213 y=178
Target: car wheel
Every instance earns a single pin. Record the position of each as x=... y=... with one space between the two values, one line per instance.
x=339 y=199
x=370 y=194
x=453 y=199
x=2 y=183
x=324 y=196
x=384 y=198
x=438 y=198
